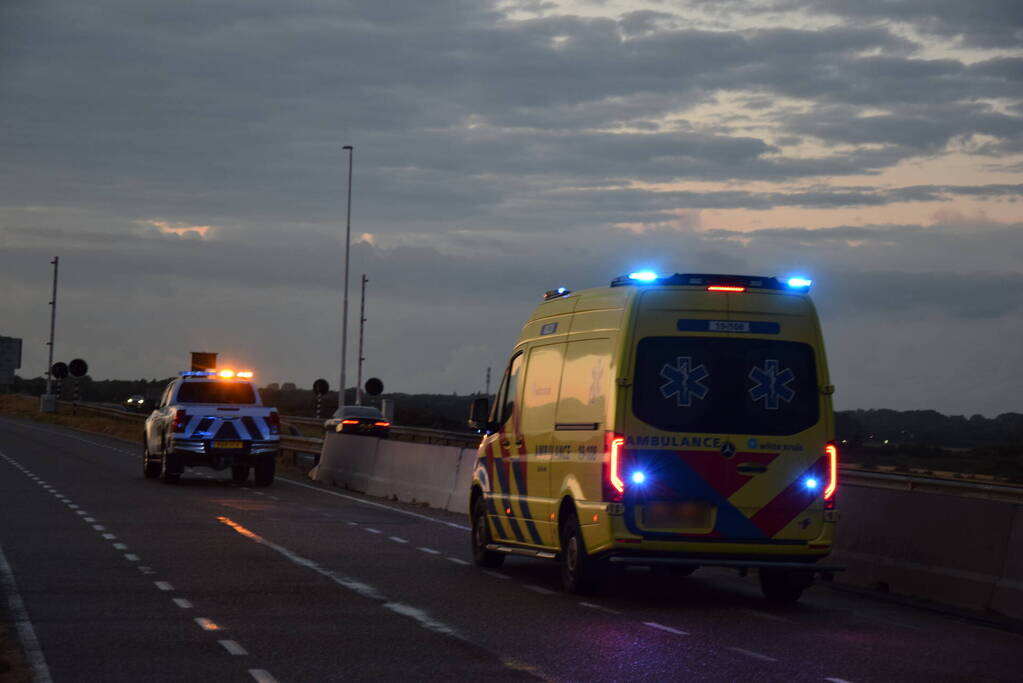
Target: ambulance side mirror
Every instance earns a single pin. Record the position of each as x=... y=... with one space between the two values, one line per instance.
x=479 y=414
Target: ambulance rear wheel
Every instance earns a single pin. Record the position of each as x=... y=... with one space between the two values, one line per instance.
x=779 y=585
x=481 y=538
x=580 y=573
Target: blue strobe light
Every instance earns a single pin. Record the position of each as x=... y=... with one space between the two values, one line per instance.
x=638 y=477
x=811 y=483
x=643 y=276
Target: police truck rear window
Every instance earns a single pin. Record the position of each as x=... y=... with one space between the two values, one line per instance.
x=726 y=386
x=216 y=392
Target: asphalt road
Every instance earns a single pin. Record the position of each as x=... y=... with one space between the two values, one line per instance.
x=118 y=578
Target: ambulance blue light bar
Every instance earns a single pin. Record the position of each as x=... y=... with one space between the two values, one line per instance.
x=716 y=280
x=556 y=293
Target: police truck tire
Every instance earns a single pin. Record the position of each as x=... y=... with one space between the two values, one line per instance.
x=779 y=585
x=151 y=470
x=580 y=573
x=240 y=472
x=481 y=538
x=265 y=471
x=171 y=468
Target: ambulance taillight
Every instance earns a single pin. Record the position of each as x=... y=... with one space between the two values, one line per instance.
x=180 y=420
x=831 y=450
x=613 y=483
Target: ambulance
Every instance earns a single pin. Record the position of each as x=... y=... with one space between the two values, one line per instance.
x=673 y=422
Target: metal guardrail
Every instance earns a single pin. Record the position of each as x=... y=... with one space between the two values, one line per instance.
x=850 y=476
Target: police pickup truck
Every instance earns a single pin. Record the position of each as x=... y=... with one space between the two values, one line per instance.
x=212 y=419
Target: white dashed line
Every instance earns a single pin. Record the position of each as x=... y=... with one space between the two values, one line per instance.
x=109 y=537
x=259 y=493
x=233 y=647
x=352 y=523
x=496 y=575
x=147 y=570
x=539 y=589
x=262 y=676
x=22 y=624
x=132 y=557
x=837 y=680
x=88 y=520
x=81 y=512
x=163 y=585
x=398 y=539
x=754 y=655
x=430 y=551
x=372 y=530
x=765 y=615
x=457 y=560
x=182 y=603
x=121 y=546
x=72 y=506
x=274 y=498
x=599 y=607
x=207 y=624
x=99 y=527
x=662 y=627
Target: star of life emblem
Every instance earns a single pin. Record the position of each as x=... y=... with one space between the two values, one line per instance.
x=772 y=385
x=685 y=381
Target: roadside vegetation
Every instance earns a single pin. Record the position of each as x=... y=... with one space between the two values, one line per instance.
x=13 y=668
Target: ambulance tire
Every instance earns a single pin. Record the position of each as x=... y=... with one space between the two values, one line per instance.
x=580 y=573
x=780 y=585
x=151 y=470
x=239 y=472
x=481 y=538
x=265 y=471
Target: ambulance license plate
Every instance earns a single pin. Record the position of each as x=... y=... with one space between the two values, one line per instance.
x=227 y=444
x=678 y=515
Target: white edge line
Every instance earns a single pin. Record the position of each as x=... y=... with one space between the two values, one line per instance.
x=597 y=607
x=372 y=504
x=457 y=560
x=233 y=647
x=662 y=627
x=837 y=680
x=262 y=676
x=23 y=625
x=754 y=655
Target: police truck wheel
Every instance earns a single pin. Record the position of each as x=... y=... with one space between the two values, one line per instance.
x=240 y=472
x=779 y=585
x=265 y=471
x=150 y=469
x=580 y=573
x=171 y=468
x=481 y=538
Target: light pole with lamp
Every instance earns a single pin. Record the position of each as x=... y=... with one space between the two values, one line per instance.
x=344 y=314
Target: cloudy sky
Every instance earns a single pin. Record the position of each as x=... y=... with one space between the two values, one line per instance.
x=184 y=160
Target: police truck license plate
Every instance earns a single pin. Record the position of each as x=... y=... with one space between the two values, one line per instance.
x=677 y=514
x=227 y=444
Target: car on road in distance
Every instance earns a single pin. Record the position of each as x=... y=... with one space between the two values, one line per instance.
x=215 y=419
x=365 y=420
x=136 y=403
x=670 y=422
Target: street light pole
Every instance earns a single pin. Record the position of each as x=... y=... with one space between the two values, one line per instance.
x=53 y=324
x=344 y=314
x=362 y=326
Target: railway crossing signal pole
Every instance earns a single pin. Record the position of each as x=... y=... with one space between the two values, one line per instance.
x=362 y=325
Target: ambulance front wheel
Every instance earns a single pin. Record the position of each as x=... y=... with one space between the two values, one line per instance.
x=481 y=538
x=780 y=585
x=580 y=573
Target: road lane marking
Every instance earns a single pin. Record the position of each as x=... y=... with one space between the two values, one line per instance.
x=457 y=560
x=207 y=624
x=429 y=551
x=81 y=512
x=182 y=603
x=72 y=506
x=88 y=520
x=99 y=527
x=274 y=498
x=22 y=624
x=496 y=575
x=662 y=627
x=754 y=655
x=147 y=570
x=398 y=539
x=765 y=615
x=132 y=557
x=363 y=589
x=233 y=647
x=262 y=676
x=121 y=546
x=163 y=585
x=539 y=589
x=373 y=504
x=109 y=537
x=372 y=530
x=601 y=608
x=837 y=680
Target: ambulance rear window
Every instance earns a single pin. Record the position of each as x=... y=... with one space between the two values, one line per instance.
x=216 y=392
x=726 y=386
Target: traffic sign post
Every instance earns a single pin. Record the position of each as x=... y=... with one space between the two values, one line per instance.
x=320 y=387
